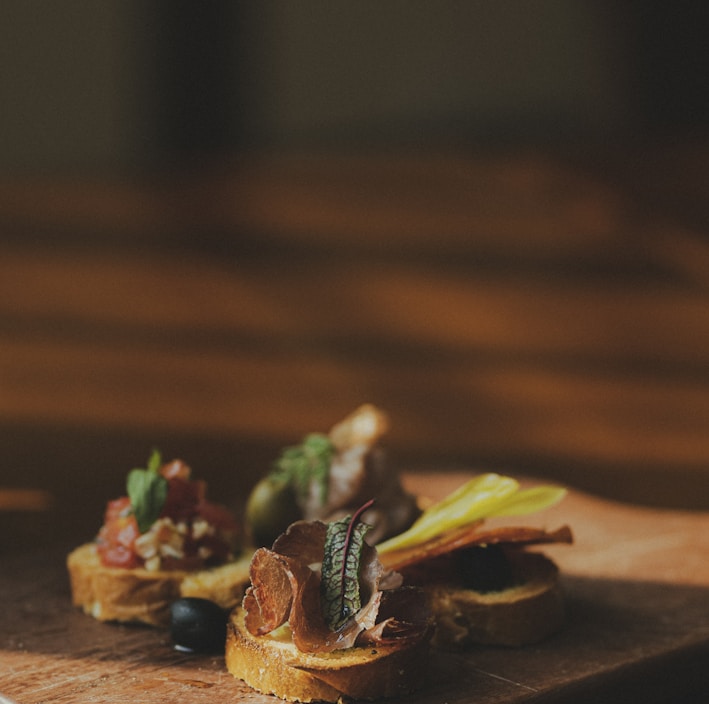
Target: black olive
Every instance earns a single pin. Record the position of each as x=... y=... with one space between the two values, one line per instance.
x=198 y=625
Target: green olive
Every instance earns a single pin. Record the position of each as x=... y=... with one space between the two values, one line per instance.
x=270 y=509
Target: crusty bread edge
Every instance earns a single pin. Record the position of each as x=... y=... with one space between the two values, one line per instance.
x=520 y=615
x=143 y=596
x=274 y=666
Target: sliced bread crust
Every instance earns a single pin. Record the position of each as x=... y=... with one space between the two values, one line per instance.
x=273 y=665
x=526 y=613
x=140 y=595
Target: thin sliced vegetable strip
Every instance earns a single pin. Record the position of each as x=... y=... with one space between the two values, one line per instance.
x=455 y=521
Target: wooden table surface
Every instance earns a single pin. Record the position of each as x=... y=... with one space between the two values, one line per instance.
x=527 y=311
x=637 y=626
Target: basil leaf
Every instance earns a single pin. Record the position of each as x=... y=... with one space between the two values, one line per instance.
x=147 y=490
x=155 y=462
x=303 y=464
x=339 y=585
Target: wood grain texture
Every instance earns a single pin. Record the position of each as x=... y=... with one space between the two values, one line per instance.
x=637 y=629
x=528 y=311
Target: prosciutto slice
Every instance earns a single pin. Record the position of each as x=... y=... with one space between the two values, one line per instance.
x=285 y=588
x=469 y=536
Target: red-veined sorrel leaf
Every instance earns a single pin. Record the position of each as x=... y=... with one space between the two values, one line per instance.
x=339 y=586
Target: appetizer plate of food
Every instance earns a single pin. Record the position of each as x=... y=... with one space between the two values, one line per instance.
x=344 y=580
x=339 y=583
x=161 y=541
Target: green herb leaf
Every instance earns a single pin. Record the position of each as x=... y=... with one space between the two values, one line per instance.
x=155 y=462
x=147 y=490
x=302 y=464
x=339 y=585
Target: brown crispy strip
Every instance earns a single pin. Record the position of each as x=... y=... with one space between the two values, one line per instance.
x=469 y=536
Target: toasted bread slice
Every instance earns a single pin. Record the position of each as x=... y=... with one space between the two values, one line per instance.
x=519 y=615
x=272 y=664
x=140 y=595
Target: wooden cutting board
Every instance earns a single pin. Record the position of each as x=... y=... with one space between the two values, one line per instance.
x=637 y=628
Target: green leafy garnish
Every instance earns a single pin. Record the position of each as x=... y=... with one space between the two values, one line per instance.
x=147 y=490
x=339 y=585
x=486 y=496
x=302 y=464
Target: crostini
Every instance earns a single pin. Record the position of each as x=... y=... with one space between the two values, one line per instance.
x=324 y=620
x=162 y=541
x=328 y=476
x=484 y=585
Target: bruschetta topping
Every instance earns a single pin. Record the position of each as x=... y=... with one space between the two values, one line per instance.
x=166 y=522
x=358 y=600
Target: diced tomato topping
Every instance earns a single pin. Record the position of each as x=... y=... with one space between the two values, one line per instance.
x=176 y=468
x=117 y=508
x=183 y=498
x=218 y=516
x=186 y=502
x=116 y=542
x=119 y=556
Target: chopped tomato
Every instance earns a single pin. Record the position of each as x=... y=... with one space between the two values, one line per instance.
x=218 y=516
x=176 y=468
x=116 y=542
x=185 y=504
x=117 y=508
x=183 y=498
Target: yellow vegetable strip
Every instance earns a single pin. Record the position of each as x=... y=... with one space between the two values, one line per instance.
x=481 y=497
x=529 y=501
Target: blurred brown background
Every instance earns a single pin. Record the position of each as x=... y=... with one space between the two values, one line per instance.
x=224 y=225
